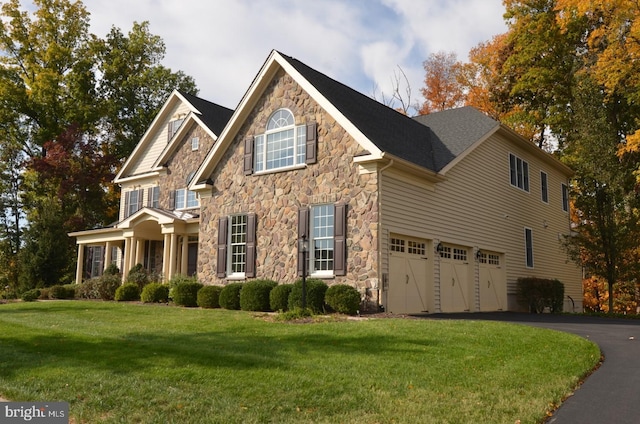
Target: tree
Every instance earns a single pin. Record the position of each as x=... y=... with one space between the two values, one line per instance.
x=70 y=102
x=443 y=87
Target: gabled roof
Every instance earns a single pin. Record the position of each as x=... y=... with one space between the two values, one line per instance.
x=212 y=116
x=379 y=129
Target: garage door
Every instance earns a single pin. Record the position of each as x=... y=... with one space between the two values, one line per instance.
x=409 y=282
x=493 y=282
x=455 y=282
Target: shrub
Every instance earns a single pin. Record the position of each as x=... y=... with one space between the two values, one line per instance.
x=112 y=269
x=230 y=296
x=30 y=295
x=107 y=285
x=279 y=297
x=138 y=275
x=294 y=314
x=343 y=298
x=62 y=292
x=178 y=279
x=316 y=290
x=209 y=297
x=155 y=293
x=254 y=295
x=88 y=289
x=535 y=294
x=186 y=294
x=128 y=292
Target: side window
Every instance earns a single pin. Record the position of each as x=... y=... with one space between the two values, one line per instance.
x=544 y=187
x=195 y=143
x=528 y=241
x=153 y=197
x=132 y=202
x=173 y=128
x=565 y=198
x=519 y=172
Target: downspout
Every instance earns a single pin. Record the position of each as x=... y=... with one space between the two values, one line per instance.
x=380 y=281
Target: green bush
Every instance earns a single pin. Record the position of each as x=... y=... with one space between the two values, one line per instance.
x=209 y=297
x=155 y=293
x=128 y=292
x=279 y=297
x=294 y=315
x=230 y=296
x=138 y=275
x=536 y=294
x=255 y=295
x=316 y=290
x=178 y=279
x=186 y=294
x=107 y=285
x=112 y=269
x=30 y=295
x=343 y=298
x=62 y=292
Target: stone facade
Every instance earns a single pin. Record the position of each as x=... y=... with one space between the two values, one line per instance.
x=276 y=197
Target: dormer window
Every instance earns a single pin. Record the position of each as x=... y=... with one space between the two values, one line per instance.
x=283 y=145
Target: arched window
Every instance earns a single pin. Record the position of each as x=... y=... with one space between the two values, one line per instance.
x=282 y=145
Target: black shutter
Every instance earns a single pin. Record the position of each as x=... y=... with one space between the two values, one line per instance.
x=312 y=143
x=248 y=156
x=303 y=230
x=340 y=240
x=172 y=199
x=127 y=200
x=221 y=268
x=250 y=265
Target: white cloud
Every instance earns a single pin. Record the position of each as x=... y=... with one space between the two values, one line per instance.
x=223 y=43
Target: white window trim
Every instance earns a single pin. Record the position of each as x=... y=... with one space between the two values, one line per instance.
x=230 y=274
x=298 y=157
x=185 y=205
x=195 y=143
x=311 y=259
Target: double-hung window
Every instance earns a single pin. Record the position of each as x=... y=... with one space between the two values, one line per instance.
x=528 y=242
x=324 y=226
x=132 y=202
x=153 y=197
x=544 y=187
x=282 y=145
x=185 y=199
x=519 y=172
x=236 y=246
x=565 y=197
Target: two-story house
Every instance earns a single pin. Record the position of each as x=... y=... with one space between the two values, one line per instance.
x=439 y=213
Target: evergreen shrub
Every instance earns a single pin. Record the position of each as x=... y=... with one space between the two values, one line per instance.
x=230 y=296
x=30 y=295
x=155 y=293
x=186 y=293
x=127 y=292
x=536 y=294
x=343 y=298
x=254 y=295
x=209 y=297
x=316 y=289
x=279 y=297
x=67 y=291
x=138 y=275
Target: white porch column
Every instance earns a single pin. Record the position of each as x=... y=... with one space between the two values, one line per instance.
x=139 y=252
x=80 y=265
x=125 y=257
x=184 y=264
x=132 y=254
x=165 y=257
x=107 y=255
x=173 y=255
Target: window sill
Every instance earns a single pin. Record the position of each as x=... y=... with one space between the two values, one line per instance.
x=236 y=277
x=283 y=169
x=322 y=275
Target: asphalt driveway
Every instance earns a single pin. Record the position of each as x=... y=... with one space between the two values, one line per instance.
x=612 y=393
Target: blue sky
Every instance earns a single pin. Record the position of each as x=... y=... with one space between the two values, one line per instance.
x=361 y=43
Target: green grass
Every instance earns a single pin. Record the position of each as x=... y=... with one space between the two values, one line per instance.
x=133 y=363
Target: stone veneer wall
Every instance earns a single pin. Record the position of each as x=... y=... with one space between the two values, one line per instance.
x=183 y=162
x=276 y=197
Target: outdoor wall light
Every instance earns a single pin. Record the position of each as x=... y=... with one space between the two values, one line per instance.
x=439 y=248
x=303 y=247
x=479 y=254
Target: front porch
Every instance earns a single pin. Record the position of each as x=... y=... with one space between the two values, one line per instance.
x=164 y=242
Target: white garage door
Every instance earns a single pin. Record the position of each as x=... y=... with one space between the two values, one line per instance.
x=493 y=282
x=409 y=282
x=455 y=279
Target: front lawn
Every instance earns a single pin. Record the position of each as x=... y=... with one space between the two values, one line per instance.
x=134 y=363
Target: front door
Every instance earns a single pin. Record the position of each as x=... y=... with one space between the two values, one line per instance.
x=192 y=260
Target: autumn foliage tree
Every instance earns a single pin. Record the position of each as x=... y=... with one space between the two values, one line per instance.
x=443 y=83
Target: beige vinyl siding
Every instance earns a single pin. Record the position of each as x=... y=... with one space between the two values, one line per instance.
x=145 y=196
x=160 y=141
x=477 y=207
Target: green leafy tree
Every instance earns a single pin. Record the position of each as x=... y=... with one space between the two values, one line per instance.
x=71 y=102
